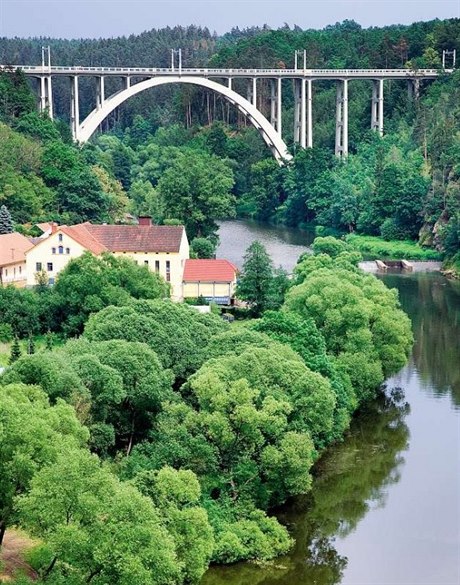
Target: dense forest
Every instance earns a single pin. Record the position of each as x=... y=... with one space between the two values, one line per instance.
x=404 y=187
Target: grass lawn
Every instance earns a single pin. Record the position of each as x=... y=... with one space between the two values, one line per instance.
x=374 y=248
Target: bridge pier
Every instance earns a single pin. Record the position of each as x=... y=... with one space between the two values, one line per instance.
x=100 y=92
x=303 y=122
x=46 y=95
x=276 y=104
x=341 y=122
x=74 y=107
x=377 y=106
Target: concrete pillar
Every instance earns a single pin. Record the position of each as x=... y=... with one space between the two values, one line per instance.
x=74 y=107
x=100 y=95
x=273 y=102
x=341 y=124
x=254 y=92
x=374 y=104
x=278 y=109
x=377 y=106
x=49 y=95
x=380 y=107
x=309 y=114
x=303 y=112
x=230 y=79
x=42 y=94
x=126 y=82
x=297 y=110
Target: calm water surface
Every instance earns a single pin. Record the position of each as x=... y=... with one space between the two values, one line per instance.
x=385 y=505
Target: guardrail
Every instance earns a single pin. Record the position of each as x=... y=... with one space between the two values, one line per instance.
x=224 y=72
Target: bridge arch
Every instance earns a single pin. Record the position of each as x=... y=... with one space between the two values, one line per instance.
x=267 y=131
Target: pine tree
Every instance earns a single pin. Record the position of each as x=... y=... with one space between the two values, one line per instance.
x=6 y=223
x=49 y=339
x=30 y=345
x=15 y=351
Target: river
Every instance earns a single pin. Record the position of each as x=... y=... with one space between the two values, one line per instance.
x=385 y=503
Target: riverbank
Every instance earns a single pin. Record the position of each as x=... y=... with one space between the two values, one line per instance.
x=375 y=248
x=362 y=521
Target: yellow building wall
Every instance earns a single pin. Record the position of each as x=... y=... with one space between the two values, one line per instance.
x=14 y=273
x=208 y=289
x=51 y=263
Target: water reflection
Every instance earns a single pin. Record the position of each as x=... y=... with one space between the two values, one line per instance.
x=432 y=302
x=350 y=479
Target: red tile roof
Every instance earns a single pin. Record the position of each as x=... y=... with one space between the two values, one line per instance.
x=13 y=247
x=137 y=238
x=81 y=234
x=218 y=270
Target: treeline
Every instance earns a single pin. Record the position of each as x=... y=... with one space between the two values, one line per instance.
x=196 y=428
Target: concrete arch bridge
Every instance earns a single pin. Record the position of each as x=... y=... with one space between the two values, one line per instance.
x=138 y=79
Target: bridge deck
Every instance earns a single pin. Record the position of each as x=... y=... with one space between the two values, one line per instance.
x=146 y=72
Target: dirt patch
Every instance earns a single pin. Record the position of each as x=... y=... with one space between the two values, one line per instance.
x=15 y=544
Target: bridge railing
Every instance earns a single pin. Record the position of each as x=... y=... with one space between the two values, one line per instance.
x=39 y=70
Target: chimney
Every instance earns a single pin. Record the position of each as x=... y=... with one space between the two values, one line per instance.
x=145 y=220
x=54 y=227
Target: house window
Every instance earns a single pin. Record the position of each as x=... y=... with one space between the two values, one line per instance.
x=60 y=237
x=38 y=266
x=61 y=250
x=53 y=250
x=168 y=271
x=49 y=267
x=67 y=250
x=20 y=270
x=146 y=262
x=157 y=266
x=6 y=271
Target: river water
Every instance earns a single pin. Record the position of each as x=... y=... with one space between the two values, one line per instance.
x=385 y=503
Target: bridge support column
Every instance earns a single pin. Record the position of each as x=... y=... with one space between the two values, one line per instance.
x=341 y=124
x=126 y=82
x=303 y=113
x=230 y=80
x=254 y=92
x=46 y=95
x=278 y=107
x=100 y=92
x=74 y=107
x=297 y=110
x=273 y=100
x=309 y=114
x=377 y=106
x=413 y=89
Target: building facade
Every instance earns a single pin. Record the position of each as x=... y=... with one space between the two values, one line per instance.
x=163 y=249
x=214 y=280
x=13 y=248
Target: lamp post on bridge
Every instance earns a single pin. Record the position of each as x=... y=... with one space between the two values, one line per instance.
x=177 y=52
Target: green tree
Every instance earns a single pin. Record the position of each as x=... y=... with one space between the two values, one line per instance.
x=6 y=223
x=196 y=189
x=89 y=283
x=203 y=248
x=32 y=435
x=176 y=494
x=256 y=278
x=30 y=345
x=96 y=528
x=176 y=332
x=15 y=351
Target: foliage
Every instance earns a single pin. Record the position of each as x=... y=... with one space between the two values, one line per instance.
x=6 y=223
x=176 y=332
x=202 y=248
x=374 y=247
x=358 y=316
x=255 y=278
x=32 y=435
x=96 y=528
x=89 y=283
x=15 y=351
